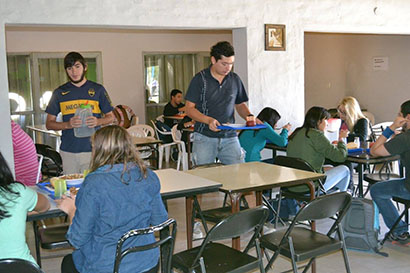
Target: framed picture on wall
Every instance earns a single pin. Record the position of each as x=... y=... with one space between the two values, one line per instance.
x=275 y=37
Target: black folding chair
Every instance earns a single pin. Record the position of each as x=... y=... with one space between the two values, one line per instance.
x=165 y=243
x=19 y=266
x=405 y=213
x=216 y=257
x=301 y=243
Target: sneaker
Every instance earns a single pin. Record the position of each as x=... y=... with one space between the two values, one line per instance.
x=197 y=234
x=403 y=239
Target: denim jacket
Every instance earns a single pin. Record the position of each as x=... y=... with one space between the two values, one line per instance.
x=108 y=207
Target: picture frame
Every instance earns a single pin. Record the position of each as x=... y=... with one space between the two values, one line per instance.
x=275 y=37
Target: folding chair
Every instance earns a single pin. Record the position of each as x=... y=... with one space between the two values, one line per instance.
x=405 y=213
x=165 y=243
x=301 y=243
x=217 y=257
x=19 y=266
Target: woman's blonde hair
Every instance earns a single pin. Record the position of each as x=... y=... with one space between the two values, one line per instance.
x=353 y=111
x=112 y=145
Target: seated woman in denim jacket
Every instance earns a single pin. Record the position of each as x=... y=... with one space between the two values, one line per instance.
x=253 y=141
x=119 y=194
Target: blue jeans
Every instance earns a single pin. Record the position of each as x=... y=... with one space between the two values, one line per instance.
x=338 y=177
x=382 y=194
x=207 y=149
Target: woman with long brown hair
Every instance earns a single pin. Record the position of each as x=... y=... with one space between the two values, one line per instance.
x=119 y=194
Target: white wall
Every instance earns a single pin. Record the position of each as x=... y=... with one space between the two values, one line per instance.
x=122 y=52
x=338 y=65
x=274 y=78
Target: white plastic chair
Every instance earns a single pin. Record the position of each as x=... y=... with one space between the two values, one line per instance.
x=142 y=130
x=136 y=129
x=182 y=154
x=40 y=162
x=163 y=146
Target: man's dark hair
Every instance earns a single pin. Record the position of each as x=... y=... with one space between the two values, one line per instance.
x=71 y=58
x=222 y=49
x=175 y=92
x=405 y=108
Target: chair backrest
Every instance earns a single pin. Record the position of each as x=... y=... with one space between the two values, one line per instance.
x=162 y=131
x=176 y=134
x=325 y=206
x=235 y=225
x=166 y=244
x=297 y=163
x=19 y=266
x=377 y=129
x=40 y=163
x=141 y=130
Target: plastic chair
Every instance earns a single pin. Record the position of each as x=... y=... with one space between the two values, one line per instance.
x=182 y=154
x=142 y=130
x=300 y=243
x=166 y=244
x=19 y=266
x=40 y=163
x=162 y=135
x=147 y=131
x=217 y=257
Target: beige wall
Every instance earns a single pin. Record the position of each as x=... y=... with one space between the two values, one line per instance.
x=339 y=65
x=122 y=52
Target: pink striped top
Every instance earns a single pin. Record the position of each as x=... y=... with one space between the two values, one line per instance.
x=25 y=156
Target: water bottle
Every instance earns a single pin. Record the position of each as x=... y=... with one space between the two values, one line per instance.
x=83 y=112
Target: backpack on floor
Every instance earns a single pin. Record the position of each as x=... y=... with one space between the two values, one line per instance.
x=361 y=226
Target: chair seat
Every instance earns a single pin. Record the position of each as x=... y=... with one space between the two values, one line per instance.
x=217 y=214
x=378 y=177
x=54 y=237
x=307 y=243
x=218 y=258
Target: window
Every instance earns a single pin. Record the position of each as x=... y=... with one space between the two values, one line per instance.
x=164 y=72
x=32 y=79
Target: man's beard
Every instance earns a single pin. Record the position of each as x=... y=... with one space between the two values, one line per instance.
x=81 y=78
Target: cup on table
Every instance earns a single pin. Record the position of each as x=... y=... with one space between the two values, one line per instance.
x=60 y=188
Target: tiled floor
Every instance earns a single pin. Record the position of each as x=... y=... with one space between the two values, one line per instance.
x=398 y=260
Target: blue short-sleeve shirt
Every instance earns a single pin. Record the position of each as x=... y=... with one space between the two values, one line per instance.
x=66 y=99
x=216 y=100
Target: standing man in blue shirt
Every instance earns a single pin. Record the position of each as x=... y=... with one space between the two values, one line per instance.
x=76 y=152
x=211 y=99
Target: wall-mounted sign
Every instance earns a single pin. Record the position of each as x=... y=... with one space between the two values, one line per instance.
x=381 y=63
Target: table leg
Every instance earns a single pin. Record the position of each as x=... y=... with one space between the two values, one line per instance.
x=188 y=208
x=235 y=202
x=360 y=185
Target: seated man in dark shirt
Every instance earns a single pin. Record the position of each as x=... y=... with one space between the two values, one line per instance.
x=383 y=192
x=174 y=107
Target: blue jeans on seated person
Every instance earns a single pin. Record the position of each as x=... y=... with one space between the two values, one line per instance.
x=382 y=193
x=207 y=149
x=337 y=177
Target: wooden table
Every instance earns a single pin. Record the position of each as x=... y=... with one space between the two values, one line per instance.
x=176 y=117
x=174 y=184
x=363 y=159
x=238 y=179
x=42 y=129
